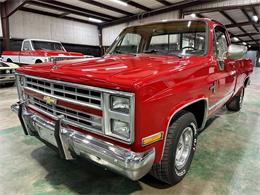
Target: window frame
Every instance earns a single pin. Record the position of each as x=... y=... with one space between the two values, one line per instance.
x=214 y=43
x=29 y=44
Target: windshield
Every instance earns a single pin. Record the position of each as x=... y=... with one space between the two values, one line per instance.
x=166 y=38
x=44 y=45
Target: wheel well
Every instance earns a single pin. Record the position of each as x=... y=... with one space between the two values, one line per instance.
x=9 y=60
x=38 y=61
x=197 y=109
x=246 y=82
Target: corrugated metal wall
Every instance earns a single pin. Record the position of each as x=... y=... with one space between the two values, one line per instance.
x=29 y=25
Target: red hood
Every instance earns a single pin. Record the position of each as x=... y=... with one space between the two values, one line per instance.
x=124 y=72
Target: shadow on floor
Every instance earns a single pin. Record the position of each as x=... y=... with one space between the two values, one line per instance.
x=80 y=175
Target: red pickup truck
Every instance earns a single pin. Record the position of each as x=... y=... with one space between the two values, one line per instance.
x=38 y=51
x=139 y=108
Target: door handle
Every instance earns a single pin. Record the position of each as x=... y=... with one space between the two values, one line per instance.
x=213 y=87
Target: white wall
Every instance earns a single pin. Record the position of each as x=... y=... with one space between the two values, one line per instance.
x=29 y=25
x=110 y=33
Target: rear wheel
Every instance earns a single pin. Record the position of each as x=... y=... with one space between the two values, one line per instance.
x=9 y=60
x=235 y=104
x=179 y=149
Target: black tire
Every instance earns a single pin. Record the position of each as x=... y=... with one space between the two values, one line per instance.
x=235 y=104
x=9 y=60
x=166 y=170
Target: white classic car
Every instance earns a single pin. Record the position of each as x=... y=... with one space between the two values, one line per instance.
x=7 y=71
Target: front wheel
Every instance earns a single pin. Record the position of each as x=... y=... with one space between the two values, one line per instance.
x=179 y=149
x=235 y=104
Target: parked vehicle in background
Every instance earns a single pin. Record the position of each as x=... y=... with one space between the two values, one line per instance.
x=7 y=71
x=138 y=109
x=35 y=51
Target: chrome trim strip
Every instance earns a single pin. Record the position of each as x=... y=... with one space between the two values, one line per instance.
x=222 y=101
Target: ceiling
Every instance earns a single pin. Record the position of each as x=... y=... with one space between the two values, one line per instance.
x=238 y=19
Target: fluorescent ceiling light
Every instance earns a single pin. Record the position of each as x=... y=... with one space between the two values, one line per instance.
x=255 y=18
x=193 y=15
x=164 y=20
x=235 y=39
x=120 y=2
x=95 y=20
x=244 y=43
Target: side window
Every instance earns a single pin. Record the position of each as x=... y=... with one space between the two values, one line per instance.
x=220 y=45
x=26 y=46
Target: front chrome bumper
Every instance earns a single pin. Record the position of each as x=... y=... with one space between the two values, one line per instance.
x=70 y=143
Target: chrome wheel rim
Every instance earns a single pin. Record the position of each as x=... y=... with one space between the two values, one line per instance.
x=184 y=147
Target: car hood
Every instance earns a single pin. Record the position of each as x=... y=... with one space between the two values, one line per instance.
x=126 y=72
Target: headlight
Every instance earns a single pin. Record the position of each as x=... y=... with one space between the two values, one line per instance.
x=119 y=116
x=120 y=104
x=7 y=72
x=120 y=128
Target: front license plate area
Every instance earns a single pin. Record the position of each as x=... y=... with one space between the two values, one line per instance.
x=46 y=134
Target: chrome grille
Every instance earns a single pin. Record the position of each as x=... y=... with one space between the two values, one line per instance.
x=74 y=117
x=67 y=58
x=75 y=94
x=86 y=96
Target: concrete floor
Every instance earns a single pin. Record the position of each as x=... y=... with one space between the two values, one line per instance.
x=227 y=160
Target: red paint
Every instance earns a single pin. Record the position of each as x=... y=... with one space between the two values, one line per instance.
x=161 y=84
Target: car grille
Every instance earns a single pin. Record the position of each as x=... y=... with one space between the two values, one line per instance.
x=67 y=58
x=75 y=117
x=86 y=96
x=75 y=94
x=7 y=73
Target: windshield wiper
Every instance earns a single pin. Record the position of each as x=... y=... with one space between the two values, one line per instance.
x=152 y=51
x=158 y=51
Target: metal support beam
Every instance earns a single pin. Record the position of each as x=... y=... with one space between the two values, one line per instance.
x=164 y=2
x=176 y=6
x=234 y=22
x=223 y=8
x=241 y=24
x=137 y=5
x=56 y=15
x=249 y=19
x=104 y=6
x=12 y=6
x=71 y=9
x=5 y=26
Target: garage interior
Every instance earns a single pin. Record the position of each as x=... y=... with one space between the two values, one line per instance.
x=227 y=160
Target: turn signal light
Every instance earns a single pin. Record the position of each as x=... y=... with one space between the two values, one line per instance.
x=152 y=138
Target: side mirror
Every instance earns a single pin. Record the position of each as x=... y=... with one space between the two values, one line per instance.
x=236 y=51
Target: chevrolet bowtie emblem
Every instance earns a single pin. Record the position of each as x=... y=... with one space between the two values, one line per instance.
x=49 y=100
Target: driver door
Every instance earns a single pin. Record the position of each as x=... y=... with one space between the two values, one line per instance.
x=224 y=75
